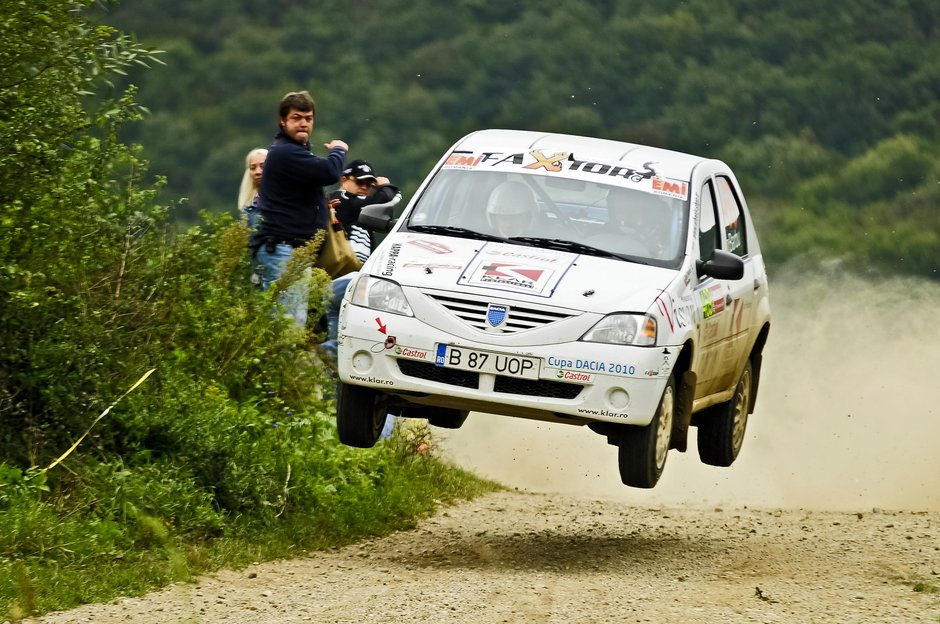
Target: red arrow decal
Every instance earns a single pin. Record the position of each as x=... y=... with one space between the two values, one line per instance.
x=382 y=328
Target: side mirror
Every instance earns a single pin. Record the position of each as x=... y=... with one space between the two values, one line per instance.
x=378 y=216
x=722 y=265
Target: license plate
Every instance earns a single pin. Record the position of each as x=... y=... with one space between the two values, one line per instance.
x=487 y=362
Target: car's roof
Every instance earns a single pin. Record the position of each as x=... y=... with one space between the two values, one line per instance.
x=672 y=164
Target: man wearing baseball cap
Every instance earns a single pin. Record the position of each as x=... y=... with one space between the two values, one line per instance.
x=359 y=170
x=359 y=186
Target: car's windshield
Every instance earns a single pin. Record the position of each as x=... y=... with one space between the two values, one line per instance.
x=523 y=208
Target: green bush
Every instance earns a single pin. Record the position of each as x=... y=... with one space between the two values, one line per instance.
x=158 y=415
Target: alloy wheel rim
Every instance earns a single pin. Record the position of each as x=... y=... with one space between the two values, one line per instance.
x=740 y=411
x=664 y=429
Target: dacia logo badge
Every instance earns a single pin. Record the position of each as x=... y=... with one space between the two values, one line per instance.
x=496 y=314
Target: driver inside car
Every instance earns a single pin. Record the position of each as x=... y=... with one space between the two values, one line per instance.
x=512 y=210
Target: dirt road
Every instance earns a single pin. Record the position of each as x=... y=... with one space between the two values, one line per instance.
x=523 y=558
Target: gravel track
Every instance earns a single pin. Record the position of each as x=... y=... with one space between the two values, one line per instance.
x=521 y=557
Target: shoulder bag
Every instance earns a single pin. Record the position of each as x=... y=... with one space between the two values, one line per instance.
x=337 y=257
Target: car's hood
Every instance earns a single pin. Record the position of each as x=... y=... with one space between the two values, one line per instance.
x=499 y=270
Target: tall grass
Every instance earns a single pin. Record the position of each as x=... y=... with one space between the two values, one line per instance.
x=122 y=530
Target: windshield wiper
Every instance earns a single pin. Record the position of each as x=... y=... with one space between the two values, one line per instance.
x=533 y=241
x=449 y=230
x=572 y=246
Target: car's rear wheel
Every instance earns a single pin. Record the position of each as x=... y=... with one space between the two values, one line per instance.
x=721 y=428
x=360 y=415
x=642 y=451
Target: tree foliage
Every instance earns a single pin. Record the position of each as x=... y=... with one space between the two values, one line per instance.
x=73 y=209
x=99 y=285
x=785 y=91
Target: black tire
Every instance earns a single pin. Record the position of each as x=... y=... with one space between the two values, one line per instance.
x=446 y=418
x=721 y=427
x=360 y=415
x=642 y=451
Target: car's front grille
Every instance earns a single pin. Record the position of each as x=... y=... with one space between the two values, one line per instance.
x=440 y=374
x=472 y=310
x=536 y=387
x=504 y=385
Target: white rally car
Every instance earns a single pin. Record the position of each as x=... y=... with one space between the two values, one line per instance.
x=565 y=279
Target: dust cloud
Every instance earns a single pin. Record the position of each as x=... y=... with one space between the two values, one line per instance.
x=847 y=417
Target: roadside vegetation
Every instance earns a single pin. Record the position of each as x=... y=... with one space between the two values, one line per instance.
x=158 y=419
x=123 y=527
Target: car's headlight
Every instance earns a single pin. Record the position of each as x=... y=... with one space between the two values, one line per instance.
x=626 y=329
x=380 y=294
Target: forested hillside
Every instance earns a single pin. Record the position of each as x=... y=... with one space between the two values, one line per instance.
x=829 y=112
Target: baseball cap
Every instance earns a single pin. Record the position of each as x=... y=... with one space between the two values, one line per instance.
x=360 y=170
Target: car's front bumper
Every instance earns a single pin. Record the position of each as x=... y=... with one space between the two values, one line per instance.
x=575 y=382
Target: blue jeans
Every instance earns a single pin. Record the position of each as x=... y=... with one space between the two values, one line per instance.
x=387 y=428
x=294 y=299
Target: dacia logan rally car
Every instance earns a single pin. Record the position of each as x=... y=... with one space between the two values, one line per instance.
x=564 y=279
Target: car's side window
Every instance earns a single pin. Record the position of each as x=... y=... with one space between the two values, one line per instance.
x=708 y=224
x=732 y=216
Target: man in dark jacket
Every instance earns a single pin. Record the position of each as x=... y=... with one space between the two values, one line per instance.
x=293 y=202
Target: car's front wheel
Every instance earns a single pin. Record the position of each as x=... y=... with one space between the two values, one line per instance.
x=360 y=415
x=642 y=451
x=721 y=427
